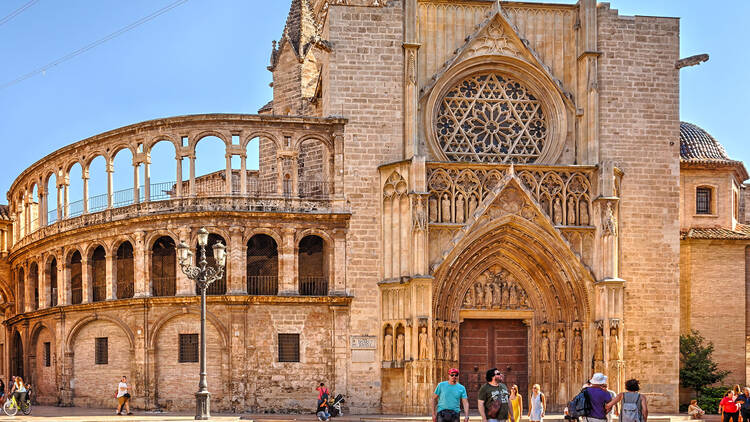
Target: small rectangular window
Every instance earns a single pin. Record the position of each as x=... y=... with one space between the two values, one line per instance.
x=703 y=201
x=288 y=347
x=47 y=357
x=188 y=348
x=101 y=352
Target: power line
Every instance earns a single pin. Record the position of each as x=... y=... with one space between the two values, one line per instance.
x=17 y=12
x=88 y=47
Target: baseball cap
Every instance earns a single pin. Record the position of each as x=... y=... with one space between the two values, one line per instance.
x=452 y=371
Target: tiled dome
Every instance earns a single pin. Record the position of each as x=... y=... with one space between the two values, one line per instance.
x=698 y=145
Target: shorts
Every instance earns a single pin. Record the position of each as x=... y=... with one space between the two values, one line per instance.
x=447 y=415
x=731 y=416
x=121 y=400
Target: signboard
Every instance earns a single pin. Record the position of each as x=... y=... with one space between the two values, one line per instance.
x=364 y=342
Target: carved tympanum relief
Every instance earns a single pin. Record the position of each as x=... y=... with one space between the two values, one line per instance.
x=490 y=118
x=495 y=289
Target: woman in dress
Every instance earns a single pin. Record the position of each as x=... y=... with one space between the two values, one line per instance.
x=517 y=402
x=537 y=405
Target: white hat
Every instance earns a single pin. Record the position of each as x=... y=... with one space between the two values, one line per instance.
x=598 y=379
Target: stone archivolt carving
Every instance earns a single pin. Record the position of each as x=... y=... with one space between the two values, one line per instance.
x=490 y=117
x=495 y=289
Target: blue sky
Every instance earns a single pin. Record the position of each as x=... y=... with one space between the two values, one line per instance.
x=211 y=56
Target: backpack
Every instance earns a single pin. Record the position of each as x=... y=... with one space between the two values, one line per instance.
x=580 y=405
x=631 y=410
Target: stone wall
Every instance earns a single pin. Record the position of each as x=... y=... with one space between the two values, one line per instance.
x=721 y=184
x=717 y=300
x=365 y=85
x=639 y=117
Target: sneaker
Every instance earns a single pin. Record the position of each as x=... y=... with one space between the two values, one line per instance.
x=130 y=413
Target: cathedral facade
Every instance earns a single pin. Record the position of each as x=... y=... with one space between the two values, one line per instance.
x=441 y=184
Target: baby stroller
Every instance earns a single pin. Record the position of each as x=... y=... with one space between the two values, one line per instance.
x=334 y=406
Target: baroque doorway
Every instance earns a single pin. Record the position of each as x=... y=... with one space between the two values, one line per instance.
x=488 y=343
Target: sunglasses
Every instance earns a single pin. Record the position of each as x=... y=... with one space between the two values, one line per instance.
x=453 y=375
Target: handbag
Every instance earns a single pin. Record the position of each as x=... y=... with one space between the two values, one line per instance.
x=126 y=395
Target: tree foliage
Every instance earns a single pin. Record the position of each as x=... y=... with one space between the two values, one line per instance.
x=697 y=367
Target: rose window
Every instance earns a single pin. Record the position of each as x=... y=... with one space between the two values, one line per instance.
x=491 y=118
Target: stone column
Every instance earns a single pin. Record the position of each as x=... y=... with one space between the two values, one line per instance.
x=43 y=277
x=142 y=274
x=228 y=179
x=66 y=196
x=236 y=263
x=110 y=184
x=243 y=174
x=338 y=269
x=340 y=349
x=178 y=176
x=86 y=287
x=63 y=280
x=192 y=175
x=59 y=202
x=147 y=180
x=85 y=180
x=136 y=184
x=42 y=209
x=111 y=276
x=185 y=286
x=288 y=284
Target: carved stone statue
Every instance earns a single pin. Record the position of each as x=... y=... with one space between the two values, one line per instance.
x=599 y=346
x=445 y=208
x=609 y=221
x=571 y=211
x=614 y=344
x=423 y=351
x=419 y=222
x=448 y=351
x=388 y=347
x=557 y=212
x=584 y=217
x=577 y=346
x=433 y=205
x=479 y=298
x=438 y=346
x=469 y=299
x=488 y=295
x=544 y=355
x=454 y=346
x=562 y=344
x=400 y=347
x=513 y=297
x=460 y=208
x=472 y=205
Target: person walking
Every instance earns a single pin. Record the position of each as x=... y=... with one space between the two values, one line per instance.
x=728 y=407
x=598 y=398
x=634 y=405
x=122 y=395
x=493 y=399
x=516 y=402
x=537 y=404
x=447 y=399
x=743 y=400
x=2 y=391
x=613 y=411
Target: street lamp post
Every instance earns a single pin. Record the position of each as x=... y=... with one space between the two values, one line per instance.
x=203 y=275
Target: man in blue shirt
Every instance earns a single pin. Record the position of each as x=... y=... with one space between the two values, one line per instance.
x=446 y=402
x=599 y=397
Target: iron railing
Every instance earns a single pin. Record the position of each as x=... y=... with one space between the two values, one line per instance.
x=262 y=285
x=313 y=286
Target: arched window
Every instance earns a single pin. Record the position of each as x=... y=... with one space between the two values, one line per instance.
x=53 y=282
x=21 y=293
x=262 y=265
x=163 y=267
x=99 y=274
x=75 y=278
x=34 y=280
x=218 y=287
x=125 y=271
x=312 y=267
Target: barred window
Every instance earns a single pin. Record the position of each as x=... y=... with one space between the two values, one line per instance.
x=101 y=351
x=47 y=357
x=703 y=201
x=288 y=347
x=188 y=348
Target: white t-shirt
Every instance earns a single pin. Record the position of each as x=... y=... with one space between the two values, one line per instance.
x=122 y=388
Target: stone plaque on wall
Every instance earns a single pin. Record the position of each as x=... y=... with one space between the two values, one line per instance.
x=363 y=342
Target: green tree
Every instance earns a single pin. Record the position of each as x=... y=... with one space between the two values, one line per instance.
x=697 y=367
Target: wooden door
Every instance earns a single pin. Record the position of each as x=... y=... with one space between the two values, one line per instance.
x=488 y=343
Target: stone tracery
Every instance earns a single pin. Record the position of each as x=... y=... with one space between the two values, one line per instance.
x=491 y=118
